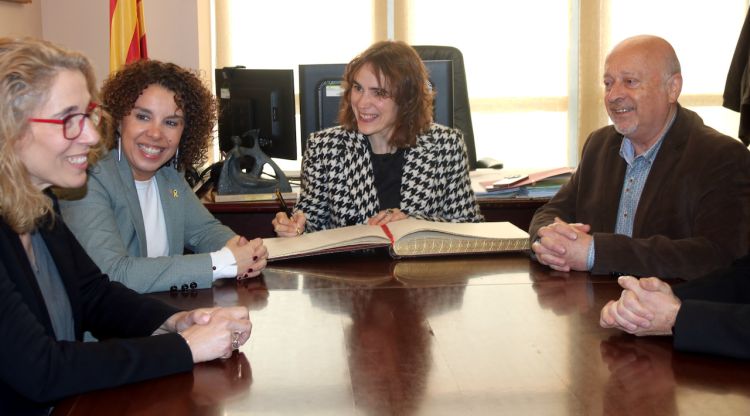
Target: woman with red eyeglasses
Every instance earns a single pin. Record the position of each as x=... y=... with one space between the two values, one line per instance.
x=50 y=290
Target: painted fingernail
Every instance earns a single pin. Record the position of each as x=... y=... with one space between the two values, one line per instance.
x=255 y=258
x=249 y=271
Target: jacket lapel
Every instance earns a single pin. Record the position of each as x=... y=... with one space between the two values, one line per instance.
x=171 y=203
x=612 y=181
x=665 y=161
x=18 y=270
x=357 y=148
x=418 y=172
x=130 y=195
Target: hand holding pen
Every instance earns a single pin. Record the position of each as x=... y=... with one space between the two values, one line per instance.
x=288 y=223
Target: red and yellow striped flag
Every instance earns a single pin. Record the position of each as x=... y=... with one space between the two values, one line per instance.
x=127 y=33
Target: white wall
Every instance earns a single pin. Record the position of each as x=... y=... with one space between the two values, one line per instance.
x=21 y=19
x=176 y=30
x=82 y=25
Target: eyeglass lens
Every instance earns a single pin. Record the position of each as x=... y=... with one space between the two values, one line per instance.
x=73 y=124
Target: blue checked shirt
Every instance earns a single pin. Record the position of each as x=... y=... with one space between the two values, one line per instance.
x=635 y=178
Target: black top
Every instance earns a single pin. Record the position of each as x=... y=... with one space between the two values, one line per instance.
x=388 y=169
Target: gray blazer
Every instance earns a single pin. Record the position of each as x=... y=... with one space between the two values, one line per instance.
x=106 y=218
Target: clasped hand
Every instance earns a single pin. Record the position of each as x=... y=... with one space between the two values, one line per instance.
x=646 y=306
x=251 y=256
x=563 y=246
x=212 y=332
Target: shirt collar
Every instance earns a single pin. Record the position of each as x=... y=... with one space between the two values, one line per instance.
x=627 y=151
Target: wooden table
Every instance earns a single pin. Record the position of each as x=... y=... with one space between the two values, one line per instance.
x=489 y=335
x=253 y=219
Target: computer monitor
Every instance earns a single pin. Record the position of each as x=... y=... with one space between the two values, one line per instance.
x=320 y=90
x=257 y=99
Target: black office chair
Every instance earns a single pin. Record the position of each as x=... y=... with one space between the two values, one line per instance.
x=461 y=110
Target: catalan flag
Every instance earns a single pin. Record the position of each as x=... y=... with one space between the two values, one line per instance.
x=127 y=33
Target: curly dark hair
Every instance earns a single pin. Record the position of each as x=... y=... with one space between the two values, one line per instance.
x=122 y=89
x=406 y=78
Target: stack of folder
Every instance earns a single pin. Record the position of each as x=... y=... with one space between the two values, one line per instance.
x=542 y=184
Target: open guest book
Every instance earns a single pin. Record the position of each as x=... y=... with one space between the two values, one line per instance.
x=407 y=238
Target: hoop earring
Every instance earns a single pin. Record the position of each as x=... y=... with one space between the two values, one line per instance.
x=119 y=149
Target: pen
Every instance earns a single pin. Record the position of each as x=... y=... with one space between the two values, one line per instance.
x=282 y=204
x=288 y=211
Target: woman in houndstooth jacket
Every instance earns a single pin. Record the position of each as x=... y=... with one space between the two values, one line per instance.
x=388 y=160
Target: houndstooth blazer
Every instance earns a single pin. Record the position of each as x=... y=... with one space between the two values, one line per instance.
x=338 y=185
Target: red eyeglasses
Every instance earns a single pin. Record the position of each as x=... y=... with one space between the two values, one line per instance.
x=72 y=124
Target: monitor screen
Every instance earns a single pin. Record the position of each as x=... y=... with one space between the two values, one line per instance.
x=257 y=99
x=321 y=88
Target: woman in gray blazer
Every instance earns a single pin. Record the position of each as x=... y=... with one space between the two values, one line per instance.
x=137 y=215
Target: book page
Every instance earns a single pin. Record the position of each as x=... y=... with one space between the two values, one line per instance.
x=338 y=239
x=288 y=196
x=495 y=230
x=423 y=238
x=435 y=246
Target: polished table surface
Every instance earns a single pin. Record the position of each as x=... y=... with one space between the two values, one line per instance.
x=497 y=335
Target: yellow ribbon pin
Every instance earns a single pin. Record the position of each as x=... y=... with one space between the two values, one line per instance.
x=175 y=194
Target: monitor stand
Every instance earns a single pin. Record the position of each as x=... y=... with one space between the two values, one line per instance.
x=236 y=180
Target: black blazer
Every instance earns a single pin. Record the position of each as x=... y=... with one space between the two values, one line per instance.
x=715 y=313
x=736 y=88
x=36 y=369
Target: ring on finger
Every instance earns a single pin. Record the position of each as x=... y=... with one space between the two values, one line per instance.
x=235 y=340
x=389 y=211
